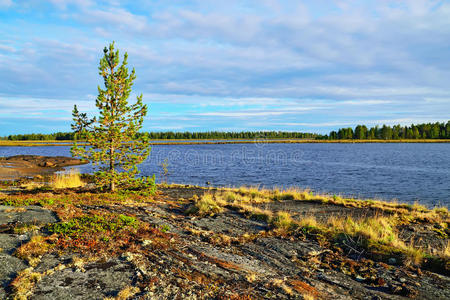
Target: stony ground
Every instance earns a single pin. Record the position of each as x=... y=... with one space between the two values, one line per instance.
x=221 y=256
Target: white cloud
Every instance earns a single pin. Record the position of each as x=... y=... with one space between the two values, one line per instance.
x=7 y=48
x=390 y=122
x=240 y=60
x=63 y=4
x=116 y=17
x=258 y=113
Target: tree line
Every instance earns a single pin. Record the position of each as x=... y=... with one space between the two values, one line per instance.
x=58 y=136
x=420 y=131
x=171 y=135
x=230 y=135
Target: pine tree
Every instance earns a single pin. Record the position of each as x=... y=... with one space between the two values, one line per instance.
x=112 y=142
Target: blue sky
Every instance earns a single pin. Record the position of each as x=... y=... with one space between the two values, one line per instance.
x=230 y=65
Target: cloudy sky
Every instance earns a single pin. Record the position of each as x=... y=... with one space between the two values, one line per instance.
x=291 y=65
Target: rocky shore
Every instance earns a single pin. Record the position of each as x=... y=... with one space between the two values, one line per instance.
x=14 y=167
x=78 y=244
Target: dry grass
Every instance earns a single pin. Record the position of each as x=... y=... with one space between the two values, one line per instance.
x=308 y=222
x=207 y=204
x=126 y=293
x=255 y=195
x=33 y=250
x=378 y=234
x=69 y=179
x=22 y=286
x=31 y=185
x=279 y=283
x=377 y=229
x=375 y=234
x=283 y=221
x=25 y=228
x=446 y=251
x=251 y=277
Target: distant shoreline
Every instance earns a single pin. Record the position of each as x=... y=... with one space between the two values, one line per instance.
x=230 y=141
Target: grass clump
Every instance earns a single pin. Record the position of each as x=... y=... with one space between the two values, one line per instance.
x=377 y=229
x=207 y=204
x=283 y=221
x=126 y=293
x=22 y=286
x=25 y=228
x=308 y=223
x=34 y=249
x=446 y=251
x=69 y=179
x=375 y=236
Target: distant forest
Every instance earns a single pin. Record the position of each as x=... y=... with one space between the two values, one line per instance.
x=420 y=131
x=170 y=135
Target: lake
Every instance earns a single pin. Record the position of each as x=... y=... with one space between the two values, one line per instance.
x=408 y=172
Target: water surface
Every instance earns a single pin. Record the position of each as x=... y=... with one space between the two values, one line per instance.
x=408 y=172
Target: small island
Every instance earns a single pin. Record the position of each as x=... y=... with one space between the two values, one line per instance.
x=18 y=166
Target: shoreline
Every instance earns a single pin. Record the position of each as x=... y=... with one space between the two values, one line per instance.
x=233 y=141
x=26 y=168
x=23 y=166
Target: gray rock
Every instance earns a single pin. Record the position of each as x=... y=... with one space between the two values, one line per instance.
x=49 y=261
x=100 y=280
x=231 y=224
x=9 y=242
x=27 y=215
x=9 y=266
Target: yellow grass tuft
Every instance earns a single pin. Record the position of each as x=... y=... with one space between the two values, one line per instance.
x=69 y=179
x=378 y=229
x=378 y=232
x=33 y=250
x=127 y=292
x=206 y=205
x=31 y=185
x=309 y=221
x=446 y=251
x=22 y=285
x=283 y=221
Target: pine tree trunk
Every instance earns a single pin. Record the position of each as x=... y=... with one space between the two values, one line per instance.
x=111 y=168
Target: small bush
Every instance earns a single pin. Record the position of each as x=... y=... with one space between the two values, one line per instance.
x=92 y=224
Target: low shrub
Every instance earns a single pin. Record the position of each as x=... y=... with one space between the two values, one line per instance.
x=92 y=224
